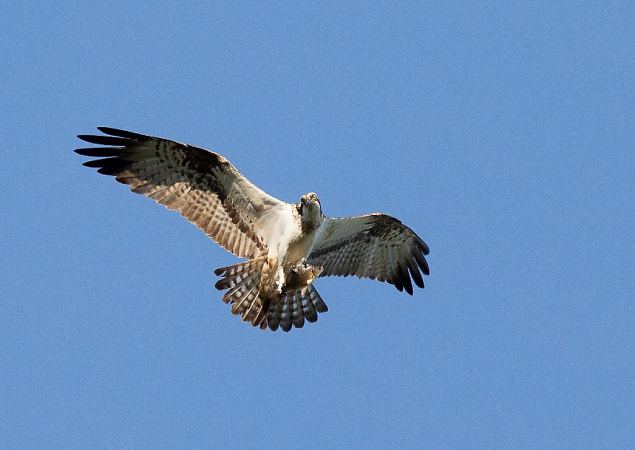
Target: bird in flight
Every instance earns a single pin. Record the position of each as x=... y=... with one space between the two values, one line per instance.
x=287 y=246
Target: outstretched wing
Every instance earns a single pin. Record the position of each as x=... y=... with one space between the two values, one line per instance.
x=202 y=185
x=372 y=246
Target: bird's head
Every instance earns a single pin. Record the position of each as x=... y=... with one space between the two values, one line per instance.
x=309 y=199
x=310 y=209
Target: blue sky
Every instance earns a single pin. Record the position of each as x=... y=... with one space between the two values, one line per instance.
x=502 y=133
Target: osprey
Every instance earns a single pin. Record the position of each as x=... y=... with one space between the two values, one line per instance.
x=287 y=245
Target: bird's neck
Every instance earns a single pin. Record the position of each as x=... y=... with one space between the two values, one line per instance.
x=311 y=218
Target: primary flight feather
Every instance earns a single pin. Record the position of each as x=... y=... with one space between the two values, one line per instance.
x=287 y=245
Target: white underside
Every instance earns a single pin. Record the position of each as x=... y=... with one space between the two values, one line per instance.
x=282 y=233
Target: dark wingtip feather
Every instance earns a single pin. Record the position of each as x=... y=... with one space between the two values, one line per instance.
x=110 y=170
x=98 y=162
x=104 y=140
x=100 y=151
x=422 y=245
x=122 y=133
x=423 y=264
x=404 y=277
x=86 y=137
x=414 y=272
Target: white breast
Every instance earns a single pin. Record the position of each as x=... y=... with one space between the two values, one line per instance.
x=279 y=227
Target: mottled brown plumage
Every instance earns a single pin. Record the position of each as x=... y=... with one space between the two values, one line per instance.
x=287 y=245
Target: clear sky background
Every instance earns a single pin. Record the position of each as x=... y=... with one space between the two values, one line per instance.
x=503 y=133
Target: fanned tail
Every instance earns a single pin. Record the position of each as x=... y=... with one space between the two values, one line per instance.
x=242 y=282
x=289 y=310
x=294 y=308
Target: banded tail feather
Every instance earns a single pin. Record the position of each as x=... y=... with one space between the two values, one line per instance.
x=290 y=310
x=242 y=282
x=296 y=307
